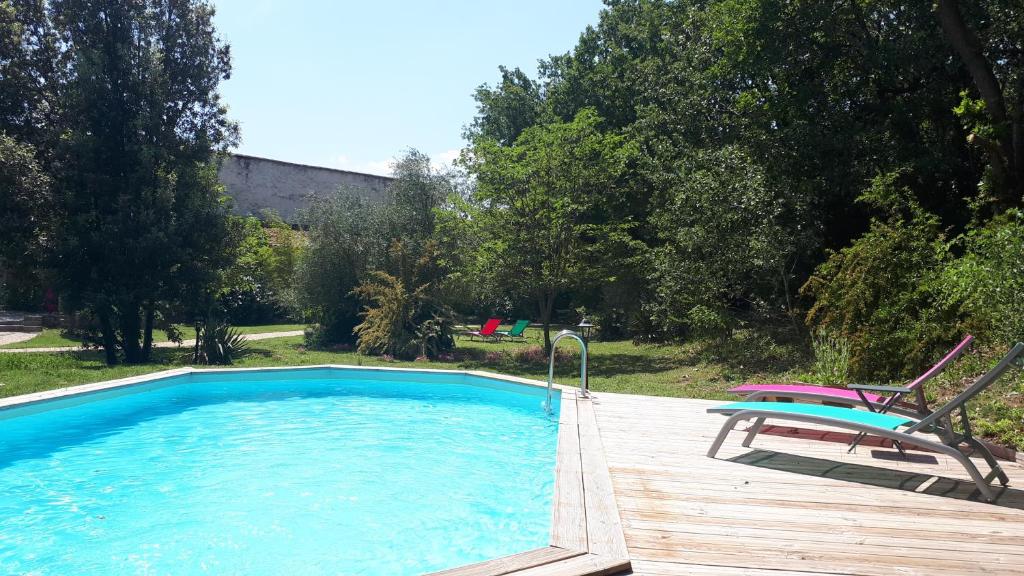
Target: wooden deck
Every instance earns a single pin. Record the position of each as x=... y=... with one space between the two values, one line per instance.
x=794 y=505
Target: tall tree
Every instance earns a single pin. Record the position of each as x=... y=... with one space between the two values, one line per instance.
x=503 y=112
x=987 y=36
x=29 y=71
x=24 y=191
x=28 y=75
x=143 y=122
x=547 y=204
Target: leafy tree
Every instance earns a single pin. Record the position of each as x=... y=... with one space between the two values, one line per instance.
x=505 y=111
x=546 y=205
x=143 y=122
x=987 y=38
x=259 y=282
x=352 y=239
x=24 y=196
x=820 y=96
x=725 y=246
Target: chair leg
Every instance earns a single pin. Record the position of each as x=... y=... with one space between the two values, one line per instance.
x=997 y=470
x=983 y=486
x=730 y=423
x=752 y=431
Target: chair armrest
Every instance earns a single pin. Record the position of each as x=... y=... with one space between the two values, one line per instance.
x=873 y=388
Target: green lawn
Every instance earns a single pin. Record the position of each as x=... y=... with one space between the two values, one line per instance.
x=662 y=370
x=694 y=370
x=51 y=337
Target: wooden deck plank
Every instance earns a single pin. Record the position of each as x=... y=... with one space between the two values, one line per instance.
x=509 y=564
x=569 y=521
x=656 y=568
x=794 y=506
x=586 y=565
x=604 y=527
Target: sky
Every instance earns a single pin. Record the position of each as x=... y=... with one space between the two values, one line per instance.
x=352 y=84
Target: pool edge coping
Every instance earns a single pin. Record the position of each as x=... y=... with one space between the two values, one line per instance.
x=586 y=531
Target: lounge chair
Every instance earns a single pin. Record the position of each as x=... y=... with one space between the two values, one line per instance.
x=516 y=332
x=486 y=331
x=859 y=394
x=939 y=422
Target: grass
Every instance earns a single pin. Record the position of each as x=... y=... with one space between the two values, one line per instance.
x=52 y=338
x=692 y=370
x=695 y=370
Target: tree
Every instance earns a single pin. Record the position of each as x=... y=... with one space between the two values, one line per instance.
x=29 y=72
x=24 y=196
x=505 y=111
x=820 y=96
x=547 y=202
x=352 y=239
x=987 y=37
x=724 y=247
x=143 y=123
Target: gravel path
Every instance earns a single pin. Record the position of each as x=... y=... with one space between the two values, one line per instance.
x=15 y=337
x=186 y=343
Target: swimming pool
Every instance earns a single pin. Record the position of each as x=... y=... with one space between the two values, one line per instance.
x=304 y=471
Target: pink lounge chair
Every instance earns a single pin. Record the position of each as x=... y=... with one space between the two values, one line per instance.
x=871 y=397
x=488 y=330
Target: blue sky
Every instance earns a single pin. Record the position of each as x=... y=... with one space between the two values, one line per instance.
x=350 y=84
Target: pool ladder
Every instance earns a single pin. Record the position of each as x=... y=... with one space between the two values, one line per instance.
x=584 y=391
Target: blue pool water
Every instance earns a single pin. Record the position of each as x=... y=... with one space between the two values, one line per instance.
x=277 y=472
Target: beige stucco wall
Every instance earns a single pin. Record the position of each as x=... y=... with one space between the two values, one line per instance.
x=257 y=184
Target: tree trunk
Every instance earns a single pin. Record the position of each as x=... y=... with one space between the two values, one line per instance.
x=195 y=351
x=1006 y=151
x=130 y=334
x=545 y=305
x=147 y=334
x=109 y=338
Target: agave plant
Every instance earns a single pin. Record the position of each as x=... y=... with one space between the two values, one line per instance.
x=219 y=344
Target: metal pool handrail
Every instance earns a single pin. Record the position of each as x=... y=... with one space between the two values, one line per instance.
x=583 y=364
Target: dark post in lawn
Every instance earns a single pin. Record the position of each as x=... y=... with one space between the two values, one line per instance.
x=585 y=330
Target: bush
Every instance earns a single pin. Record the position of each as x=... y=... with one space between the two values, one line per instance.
x=876 y=293
x=259 y=283
x=985 y=285
x=831 y=359
x=403 y=316
x=219 y=343
x=347 y=239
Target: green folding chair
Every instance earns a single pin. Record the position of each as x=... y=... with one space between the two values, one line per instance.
x=517 y=331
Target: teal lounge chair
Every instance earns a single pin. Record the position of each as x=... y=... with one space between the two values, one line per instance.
x=888 y=426
x=516 y=332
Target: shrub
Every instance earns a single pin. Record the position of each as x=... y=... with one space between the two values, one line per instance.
x=831 y=358
x=347 y=238
x=259 y=283
x=218 y=343
x=985 y=285
x=387 y=327
x=403 y=316
x=876 y=294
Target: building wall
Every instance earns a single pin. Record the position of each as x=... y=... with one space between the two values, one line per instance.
x=256 y=184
